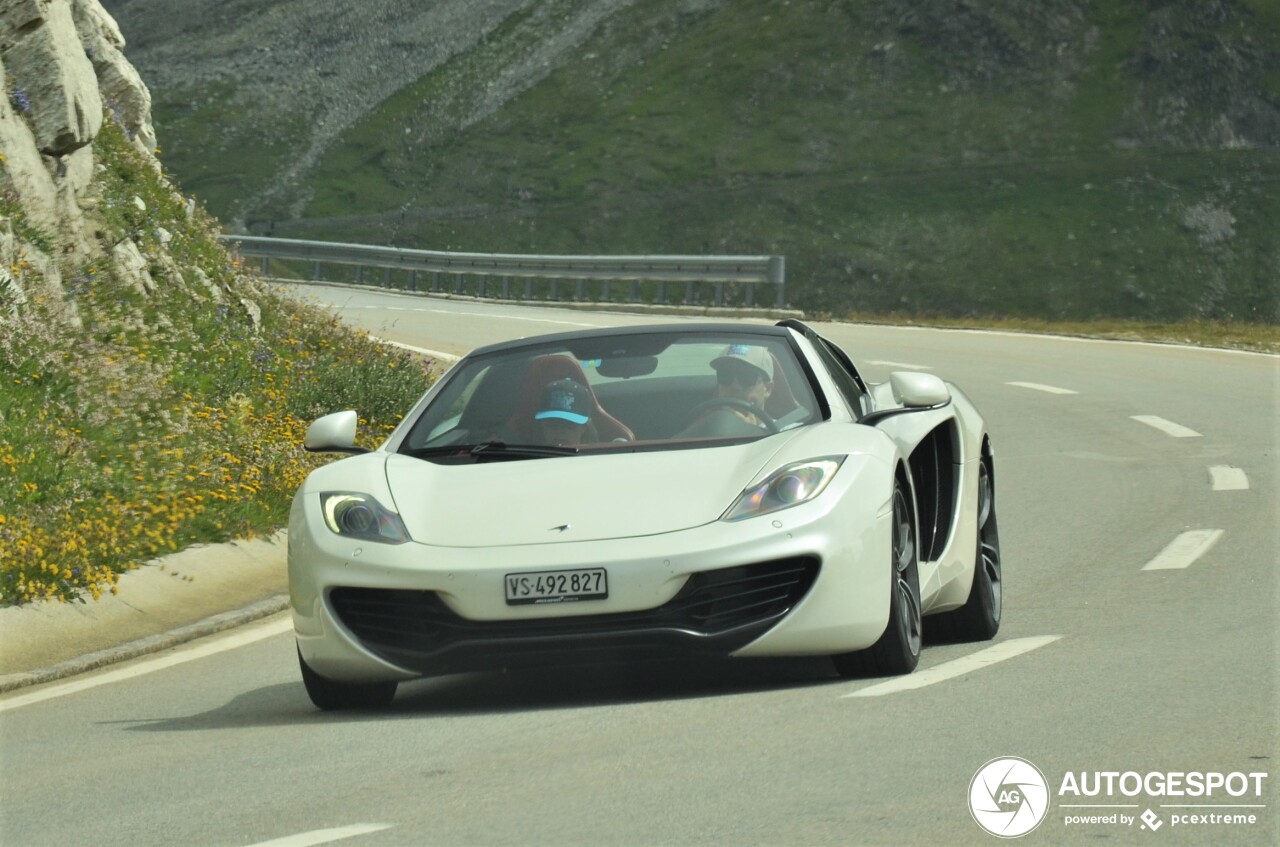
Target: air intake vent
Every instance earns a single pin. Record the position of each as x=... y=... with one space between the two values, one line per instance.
x=723 y=608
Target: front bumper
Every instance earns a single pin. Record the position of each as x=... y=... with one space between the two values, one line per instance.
x=811 y=580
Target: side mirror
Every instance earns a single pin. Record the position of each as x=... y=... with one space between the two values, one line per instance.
x=918 y=390
x=335 y=433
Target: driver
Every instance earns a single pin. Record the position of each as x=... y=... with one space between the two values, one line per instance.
x=744 y=381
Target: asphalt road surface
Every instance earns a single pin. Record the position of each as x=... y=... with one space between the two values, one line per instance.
x=1136 y=489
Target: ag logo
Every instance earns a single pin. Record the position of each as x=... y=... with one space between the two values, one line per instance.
x=1008 y=797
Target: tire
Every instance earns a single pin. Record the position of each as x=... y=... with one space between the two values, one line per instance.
x=979 y=618
x=329 y=695
x=898 y=649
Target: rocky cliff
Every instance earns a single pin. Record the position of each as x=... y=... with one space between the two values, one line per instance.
x=64 y=76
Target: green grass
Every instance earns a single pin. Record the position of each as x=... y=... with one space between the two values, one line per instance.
x=221 y=148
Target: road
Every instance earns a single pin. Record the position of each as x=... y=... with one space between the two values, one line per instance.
x=1136 y=488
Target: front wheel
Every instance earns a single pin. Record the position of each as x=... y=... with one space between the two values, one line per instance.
x=329 y=695
x=898 y=650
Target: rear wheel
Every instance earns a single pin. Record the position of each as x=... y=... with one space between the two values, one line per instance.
x=328 y=695
x=979 y=618
x=898 y=650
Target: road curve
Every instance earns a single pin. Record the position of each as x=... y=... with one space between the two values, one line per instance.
x=1136 y=489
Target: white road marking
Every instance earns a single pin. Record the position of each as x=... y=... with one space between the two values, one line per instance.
x=467 y=314
x=434 y=354
x=1167 y=427
x=196 y=650
x=1227 y=478
x=1048 y=389
x=324 y=836
x=1184 y=550
x=956 y=667
x=906 y=365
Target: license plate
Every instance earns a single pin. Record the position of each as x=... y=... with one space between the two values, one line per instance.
x=568 y=586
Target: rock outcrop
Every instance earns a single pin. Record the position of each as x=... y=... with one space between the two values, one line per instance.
x=63 y=74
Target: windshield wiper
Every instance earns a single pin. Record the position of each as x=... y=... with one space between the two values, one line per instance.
x=494 y=450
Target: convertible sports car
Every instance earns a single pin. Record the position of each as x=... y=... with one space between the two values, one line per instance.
x=683 y=490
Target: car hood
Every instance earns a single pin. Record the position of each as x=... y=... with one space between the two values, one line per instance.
x=586 y=497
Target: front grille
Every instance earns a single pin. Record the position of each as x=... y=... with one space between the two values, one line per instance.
x=715 y=611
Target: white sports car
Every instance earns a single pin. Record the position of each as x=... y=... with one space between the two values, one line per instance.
x=698 y=489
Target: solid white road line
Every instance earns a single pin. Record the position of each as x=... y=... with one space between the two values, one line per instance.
x=909 y=367
x=196 y=650
x=1048 y=389
x=448 y=358
x=956 y=667
x=1167 y=427
x=351 y=307
x=324 y=836
x=1227 y=478
x=1184 y=550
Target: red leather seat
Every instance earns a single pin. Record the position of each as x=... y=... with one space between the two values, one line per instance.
x=543 y=370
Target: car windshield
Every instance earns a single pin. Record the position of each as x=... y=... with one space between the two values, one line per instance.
x=615 y=393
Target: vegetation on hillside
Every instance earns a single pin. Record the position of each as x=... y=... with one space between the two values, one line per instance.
x=170 y=416
x=1056 y=160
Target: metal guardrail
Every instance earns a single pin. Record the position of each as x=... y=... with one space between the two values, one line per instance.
x=708 y=280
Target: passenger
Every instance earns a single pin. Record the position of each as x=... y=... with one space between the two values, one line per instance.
x=744 y=381
x=564 y=413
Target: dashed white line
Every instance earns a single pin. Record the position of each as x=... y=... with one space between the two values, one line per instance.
x=1167 y=427
x=1184 y=550
x=1227 y=478
x=324 y=836
x=965 y=664
x=1048 y=389
x=198 y=650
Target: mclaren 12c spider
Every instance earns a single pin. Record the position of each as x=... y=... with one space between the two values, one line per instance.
x=645 y=492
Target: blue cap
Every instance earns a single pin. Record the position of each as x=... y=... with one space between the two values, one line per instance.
x=567 y=400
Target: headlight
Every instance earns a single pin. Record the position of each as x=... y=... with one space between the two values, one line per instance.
x=784 y=488
x=361 y=516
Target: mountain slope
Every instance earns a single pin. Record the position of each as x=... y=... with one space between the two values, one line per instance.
x=1058 y=159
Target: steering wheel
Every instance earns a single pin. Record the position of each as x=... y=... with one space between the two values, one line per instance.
x=770 y=424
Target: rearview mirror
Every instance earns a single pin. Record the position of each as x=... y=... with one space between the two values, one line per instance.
x=335 y=433
x=917 y=390
x=625 y=367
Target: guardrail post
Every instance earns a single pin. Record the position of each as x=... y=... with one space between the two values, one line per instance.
x=662 y=292
x=265 y=263
x=555 y=289
x=315 y=271
x=718 y=297
x=413 y=280
x=528 y=288
x=483 y=286
x=688 y=293
x=635 y=291
x=359 y=274
x=386 y=277
x=435 y=282
x=506 y=287
x=457 y=283
x=778 y=276
x=580 y=290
